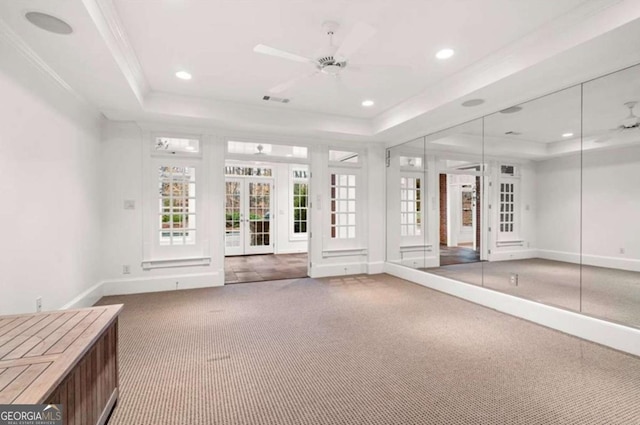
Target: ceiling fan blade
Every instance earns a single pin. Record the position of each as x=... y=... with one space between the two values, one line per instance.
x=288 y=84
x=359 y=35
x=272 y=51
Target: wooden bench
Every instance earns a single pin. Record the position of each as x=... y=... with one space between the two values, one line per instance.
x=67 y=357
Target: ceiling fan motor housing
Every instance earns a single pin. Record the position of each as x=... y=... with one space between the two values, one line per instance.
x=329 y=65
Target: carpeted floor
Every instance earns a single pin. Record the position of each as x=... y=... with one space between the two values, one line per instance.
x=356 y=350
x=255 y=268
x=608 y=293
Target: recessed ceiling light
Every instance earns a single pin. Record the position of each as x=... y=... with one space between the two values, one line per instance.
x=473 y=102
x=445 y=53
x=183 y=75
x=567 y=135
x=48 y=23
x=367 y=103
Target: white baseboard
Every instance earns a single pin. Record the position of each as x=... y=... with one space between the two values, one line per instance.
x=613 y=335
x=515 y=254
x=375 y=268
x=138 y=285
x=591 y=260
x=338 y=269
x=85 y=299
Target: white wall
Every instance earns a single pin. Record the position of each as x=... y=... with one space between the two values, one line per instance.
x=557 y=204
x=609 y=202
x=49 y=157
x=127 y=170
x=125 y=153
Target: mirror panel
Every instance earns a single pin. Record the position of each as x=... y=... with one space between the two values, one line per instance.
x=533 y=155
x=407 y=225
x=539 y=200
x=611 y=198
x=457 y=212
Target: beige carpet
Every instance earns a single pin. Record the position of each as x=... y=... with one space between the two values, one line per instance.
x=358 y=350
x=607 y=293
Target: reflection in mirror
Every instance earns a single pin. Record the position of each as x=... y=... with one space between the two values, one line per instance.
x=533 y=156
x=611 y=198
x=406 y=190
x=456 y=167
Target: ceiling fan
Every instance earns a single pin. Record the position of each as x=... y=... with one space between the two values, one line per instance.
x=332 y=61
x=632 y=121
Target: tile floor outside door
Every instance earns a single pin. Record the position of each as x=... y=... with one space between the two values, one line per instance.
x=255 y=268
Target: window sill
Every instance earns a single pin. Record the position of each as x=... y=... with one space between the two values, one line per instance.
x=175 y=262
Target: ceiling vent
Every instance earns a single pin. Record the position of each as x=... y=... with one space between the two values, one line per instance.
x=276 y=99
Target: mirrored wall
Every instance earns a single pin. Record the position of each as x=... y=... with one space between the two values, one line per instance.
x=540 y=200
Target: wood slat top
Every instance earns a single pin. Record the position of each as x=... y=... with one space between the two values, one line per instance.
x=38 y=350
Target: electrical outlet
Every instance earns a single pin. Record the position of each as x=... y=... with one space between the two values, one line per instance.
x=38 y=304
x=513 y=279
x=126 y=269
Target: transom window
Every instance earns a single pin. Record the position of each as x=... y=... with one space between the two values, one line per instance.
x=176 y=145
x=343 y=156
x=267 y=150
x=507 y=207
x=241 y=170
x=343 y=206
x=410 y=206
x=177 y=205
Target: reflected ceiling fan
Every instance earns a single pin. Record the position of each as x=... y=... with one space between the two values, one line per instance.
x=631 y=122
x=332 y=61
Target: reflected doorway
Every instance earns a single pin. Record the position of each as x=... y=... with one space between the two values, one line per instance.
x=459 y=219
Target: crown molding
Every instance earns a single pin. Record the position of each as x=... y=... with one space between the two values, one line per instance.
x=105 y=17
x=12 y=39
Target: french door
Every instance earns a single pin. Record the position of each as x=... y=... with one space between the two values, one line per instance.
x=248 y=216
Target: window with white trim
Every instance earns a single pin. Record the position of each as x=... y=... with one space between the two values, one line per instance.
x=177 y=205
x=410 y=206
x=343 y=205
x=300 y=201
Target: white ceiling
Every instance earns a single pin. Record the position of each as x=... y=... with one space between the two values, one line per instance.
x=214 y=40
x=123 y=55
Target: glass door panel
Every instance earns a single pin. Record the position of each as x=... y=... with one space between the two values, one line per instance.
x=233 y=217
x=259 y=234
x=248 y=216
